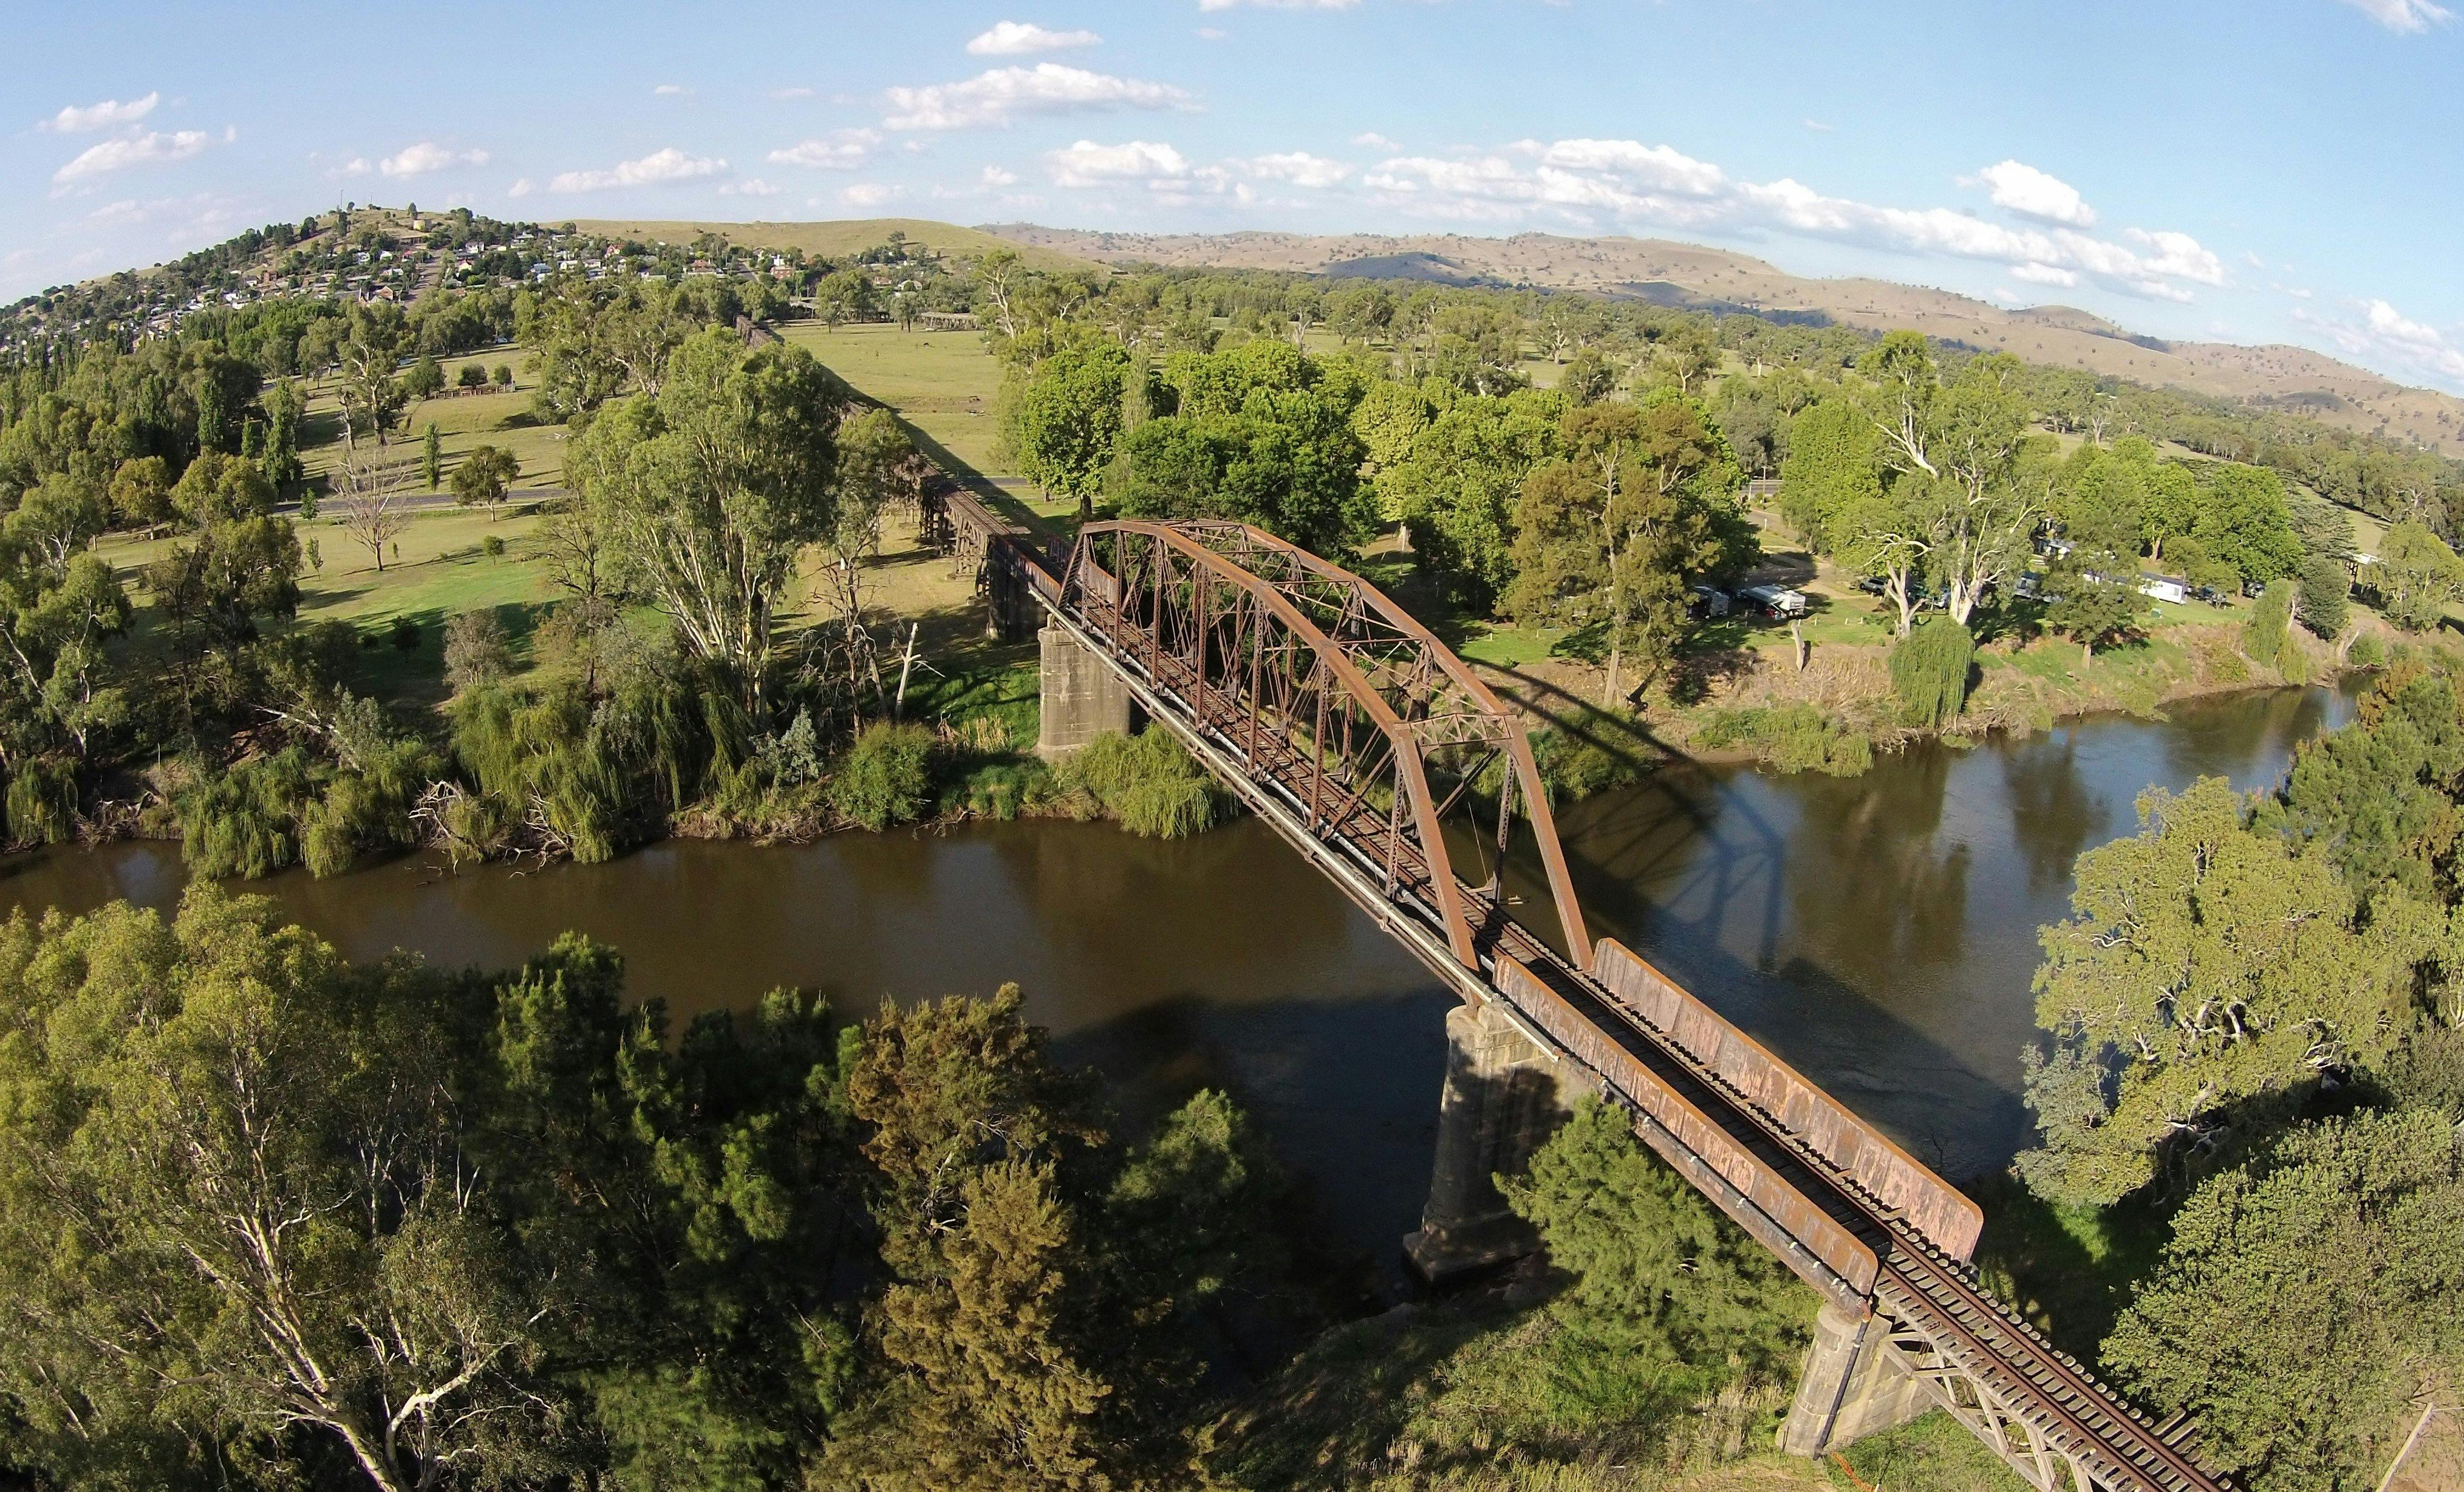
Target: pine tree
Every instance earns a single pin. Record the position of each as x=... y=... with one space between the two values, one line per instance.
x=431 y=457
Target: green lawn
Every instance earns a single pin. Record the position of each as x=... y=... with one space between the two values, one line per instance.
x=942 y=383
x=443 y=570
x=500 y=420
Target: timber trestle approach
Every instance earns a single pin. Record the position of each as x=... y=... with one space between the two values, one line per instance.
x=1365 y=743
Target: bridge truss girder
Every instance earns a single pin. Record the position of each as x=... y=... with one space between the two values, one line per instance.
x=1323 y=707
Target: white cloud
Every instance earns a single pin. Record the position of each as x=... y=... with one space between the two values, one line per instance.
x=2045 y=275
x=1297 y=167
x=749 y=186
x=1581 y=182
x=356 y=166
x=77 y=119
x=1818 y=126
x=2403 y=15
x=425 y=157
x=672 y=91
x=791 y=93
x=659 y=166
x=146 y=149
x=1087 y=164
x=521 y=188
x=1018 y=38
x=1279 y=5
x=2030 y=193
x=995 y=176
x=1212 y=34
x=840 y=150
x=867 y=194
x=2390 y=340
x=1375 y=141
x=1000 y=95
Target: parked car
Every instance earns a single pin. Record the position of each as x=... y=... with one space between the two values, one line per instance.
x=1775 y=601
x=2030 y=586
x=1706 y=601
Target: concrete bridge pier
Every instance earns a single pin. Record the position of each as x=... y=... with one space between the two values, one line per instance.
x=1082 y=698
x=1855 y=1384
x=1504 y=1098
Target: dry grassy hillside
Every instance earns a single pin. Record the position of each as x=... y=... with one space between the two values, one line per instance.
x=830 y=238
x=1688 y=273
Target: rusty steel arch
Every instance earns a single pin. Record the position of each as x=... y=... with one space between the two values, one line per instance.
x=1371 y=727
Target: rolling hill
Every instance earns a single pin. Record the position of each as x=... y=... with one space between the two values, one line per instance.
x=1691 y=275
x=834 y=238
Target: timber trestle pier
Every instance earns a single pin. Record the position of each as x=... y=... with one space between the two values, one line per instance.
x=1368 y=745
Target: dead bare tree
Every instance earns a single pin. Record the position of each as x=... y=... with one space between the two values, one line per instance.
x=370 y=508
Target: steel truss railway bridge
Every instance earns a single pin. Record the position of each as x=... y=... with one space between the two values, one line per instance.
x=1369 y=746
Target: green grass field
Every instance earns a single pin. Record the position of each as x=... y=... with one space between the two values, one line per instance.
x=942 y=383
x=500 y=420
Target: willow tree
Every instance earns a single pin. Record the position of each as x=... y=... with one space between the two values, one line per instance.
x=712 y=488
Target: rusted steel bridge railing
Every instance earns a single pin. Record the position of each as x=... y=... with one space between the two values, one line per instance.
x=1365 y=743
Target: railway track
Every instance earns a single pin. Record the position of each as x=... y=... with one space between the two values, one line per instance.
x=2043 y=1411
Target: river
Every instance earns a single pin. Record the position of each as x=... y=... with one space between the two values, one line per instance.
x=1878 y=933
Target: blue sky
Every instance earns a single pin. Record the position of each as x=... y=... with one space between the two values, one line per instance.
x=2248 y=170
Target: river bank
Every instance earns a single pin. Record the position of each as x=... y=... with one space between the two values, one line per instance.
x=1837 y=712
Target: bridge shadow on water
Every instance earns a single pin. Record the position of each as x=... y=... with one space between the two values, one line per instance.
x=1345 y=1093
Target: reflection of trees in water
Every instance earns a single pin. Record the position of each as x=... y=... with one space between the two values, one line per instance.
x=2246 y=737
x=1137 y=919
x=1869 y=886
x=2052 y=808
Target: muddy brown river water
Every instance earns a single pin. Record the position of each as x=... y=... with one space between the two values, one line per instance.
x=1878 y=933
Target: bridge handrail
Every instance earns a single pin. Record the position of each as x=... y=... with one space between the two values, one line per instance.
x=1761 y=1200
x=1944 y=1213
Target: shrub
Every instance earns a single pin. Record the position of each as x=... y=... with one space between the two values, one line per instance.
x=885 y=777
x=1790 y=737
x=1592 y=751
x=1147 y=781
x=1929 y=671
x=475 y=651
x=1005 y=789
x=565 y=768
x=493 y=547
x=2366 y=652
x=404 y=634
x=42 y=801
